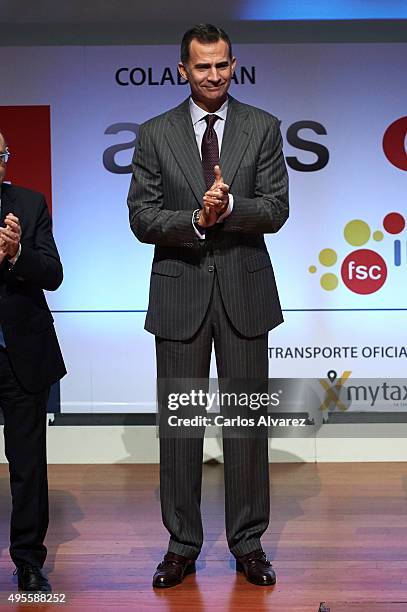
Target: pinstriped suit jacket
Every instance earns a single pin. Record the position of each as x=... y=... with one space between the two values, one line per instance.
x=168 y=184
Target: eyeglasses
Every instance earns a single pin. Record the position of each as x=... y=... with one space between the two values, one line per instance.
x=5 y=156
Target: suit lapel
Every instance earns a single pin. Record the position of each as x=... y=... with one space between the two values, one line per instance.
x=8 y=202
x=235 y=140
x=182 y=141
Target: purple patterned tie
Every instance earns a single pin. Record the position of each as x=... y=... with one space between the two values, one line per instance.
x=210 y=150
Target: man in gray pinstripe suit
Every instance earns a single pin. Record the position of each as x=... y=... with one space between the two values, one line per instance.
x=209 y=180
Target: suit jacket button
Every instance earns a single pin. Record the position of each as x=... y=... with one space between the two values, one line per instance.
x=211 y=268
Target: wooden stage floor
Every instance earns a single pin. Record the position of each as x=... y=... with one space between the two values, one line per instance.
x=338 y=533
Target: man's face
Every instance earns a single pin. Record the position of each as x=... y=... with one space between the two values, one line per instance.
x=2 y=165
x=209 y=71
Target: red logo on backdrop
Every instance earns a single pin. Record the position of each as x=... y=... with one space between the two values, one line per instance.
x=394 y=143
x=28 y=133
x=364 y=271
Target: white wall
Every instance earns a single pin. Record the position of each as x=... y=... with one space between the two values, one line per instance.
x=120 y=444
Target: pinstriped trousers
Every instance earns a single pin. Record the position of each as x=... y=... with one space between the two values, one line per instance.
x=246 y=472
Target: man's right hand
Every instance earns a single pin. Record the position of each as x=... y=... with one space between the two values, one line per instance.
x=215 y=200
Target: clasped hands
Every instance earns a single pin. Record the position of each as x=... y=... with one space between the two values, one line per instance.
x=10 y=237
x=215 y=201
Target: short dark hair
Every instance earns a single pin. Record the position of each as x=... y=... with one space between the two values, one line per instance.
x=204 y=33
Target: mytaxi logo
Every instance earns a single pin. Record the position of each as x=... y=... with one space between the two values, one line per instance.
x=363 y=270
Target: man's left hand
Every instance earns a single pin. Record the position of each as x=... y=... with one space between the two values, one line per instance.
x=10 y=236
x=218 y=195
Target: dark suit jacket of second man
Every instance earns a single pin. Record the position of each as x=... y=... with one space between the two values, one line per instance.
x=26 y=321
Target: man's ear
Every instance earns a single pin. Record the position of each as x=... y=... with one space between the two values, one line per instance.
x=233 y=65
x=182 y=71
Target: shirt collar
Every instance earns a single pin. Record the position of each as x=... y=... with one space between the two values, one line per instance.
x=198 y=113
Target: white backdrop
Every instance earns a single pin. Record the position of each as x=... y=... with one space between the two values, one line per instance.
x=355 y=91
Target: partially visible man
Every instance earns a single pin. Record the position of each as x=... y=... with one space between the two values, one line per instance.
x=30 y=361
x=209 y=181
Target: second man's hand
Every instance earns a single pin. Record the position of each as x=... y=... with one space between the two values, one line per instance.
x=215 y=200
x=10 y=237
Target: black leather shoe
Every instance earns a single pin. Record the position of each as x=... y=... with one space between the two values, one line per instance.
x=30 y=578
x=172 y=570
x=257 y=568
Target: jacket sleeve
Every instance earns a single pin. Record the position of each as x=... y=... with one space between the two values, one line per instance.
x=268 y=210
x=39 y=264
x=149 y=220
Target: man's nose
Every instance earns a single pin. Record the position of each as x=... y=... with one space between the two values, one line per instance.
x=214 y=75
